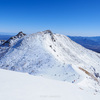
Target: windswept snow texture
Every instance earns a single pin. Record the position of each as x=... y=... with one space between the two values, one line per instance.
x=53 y=56
x=21 y=86
x=92 y=43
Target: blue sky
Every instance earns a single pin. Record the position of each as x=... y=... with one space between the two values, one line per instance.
x=70 y=17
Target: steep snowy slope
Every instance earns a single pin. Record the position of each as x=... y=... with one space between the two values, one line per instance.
x=54 y=56
x=21 y=86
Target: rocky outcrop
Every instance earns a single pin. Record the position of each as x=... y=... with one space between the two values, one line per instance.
x=2 y=41
x=19 y=35
x=51 y=34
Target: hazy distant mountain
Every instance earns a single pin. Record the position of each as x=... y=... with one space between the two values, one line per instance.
x=92 y=43
x=5 y=37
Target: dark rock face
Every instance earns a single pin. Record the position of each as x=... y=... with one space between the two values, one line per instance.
x=97 y=75
x=8 y=42
x=48 y=31
x=2 y=41
x=51 y=34
x=20 y=34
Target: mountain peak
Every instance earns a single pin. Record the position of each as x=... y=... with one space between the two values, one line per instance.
x=9 y=42
x=20 y=34
x=50 y=33
x=47 y=31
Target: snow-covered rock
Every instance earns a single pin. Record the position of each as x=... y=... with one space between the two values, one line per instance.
x=11 y=41
x=53 y=56
x=1 y=42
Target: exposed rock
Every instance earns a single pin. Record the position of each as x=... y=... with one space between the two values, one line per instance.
x=97 y=75
x=2 y=41
x=19 y=35
x=47 y=31
x=51 y=34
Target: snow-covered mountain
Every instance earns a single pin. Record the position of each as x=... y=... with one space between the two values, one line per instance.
x=92 y=43
x=12 y=40
x=53 y=56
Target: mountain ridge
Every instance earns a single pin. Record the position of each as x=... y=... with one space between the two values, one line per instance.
x=53 y=56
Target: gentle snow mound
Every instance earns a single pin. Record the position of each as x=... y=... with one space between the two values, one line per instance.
x=19 y=86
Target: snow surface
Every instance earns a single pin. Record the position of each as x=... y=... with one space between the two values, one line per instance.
x=52 y=56
x=22 y=86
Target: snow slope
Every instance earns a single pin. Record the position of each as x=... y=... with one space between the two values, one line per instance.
x=21 y=86
x=53 y=56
